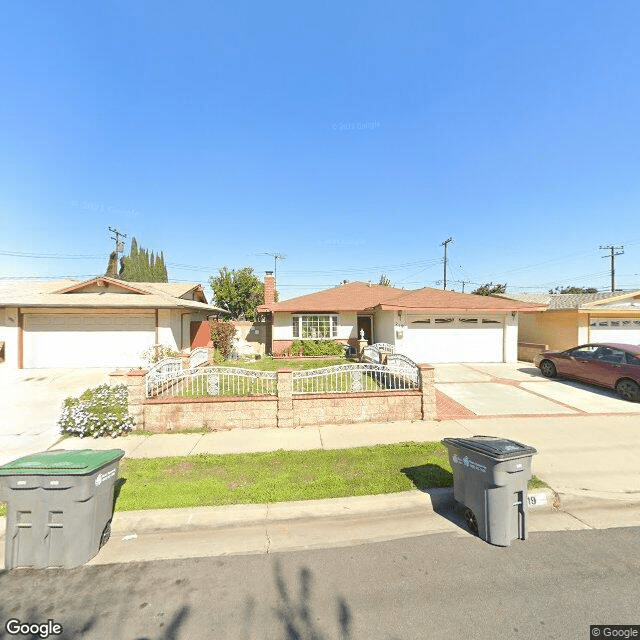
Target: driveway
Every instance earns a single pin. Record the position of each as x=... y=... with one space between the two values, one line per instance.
x=31 y=401
x=518 y=389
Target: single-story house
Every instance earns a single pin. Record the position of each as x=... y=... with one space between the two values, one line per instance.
x=569 y=319
x=101 y=322
x=427 y=325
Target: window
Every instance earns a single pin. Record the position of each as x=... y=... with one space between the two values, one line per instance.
x=608 y=354
x=490 y=321
x=632 y=359
x=443 y=320
x=314 y=327
x=586 y=353
x=469 y=320
x=426 y=321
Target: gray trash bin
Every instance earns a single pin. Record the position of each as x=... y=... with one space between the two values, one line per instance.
x=59 y=506
x=490 y=477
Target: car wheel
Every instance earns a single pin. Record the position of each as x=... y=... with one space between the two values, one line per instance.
x=471 y=521
x=548 y=369
x=629 y=390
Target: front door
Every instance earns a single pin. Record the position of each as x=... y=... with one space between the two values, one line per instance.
x=365 y=323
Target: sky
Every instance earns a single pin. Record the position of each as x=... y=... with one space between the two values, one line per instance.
x=352 y=139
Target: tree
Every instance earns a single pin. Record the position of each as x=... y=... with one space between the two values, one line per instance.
x=490 y=289
x=573 y=289
x=140 y=266
x=239 y=291
x=384 y=281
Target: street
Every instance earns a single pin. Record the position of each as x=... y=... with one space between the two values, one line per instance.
x=553 y=585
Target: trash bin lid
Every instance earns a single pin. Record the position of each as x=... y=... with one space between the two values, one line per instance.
x=61 y=462
x=498 y=448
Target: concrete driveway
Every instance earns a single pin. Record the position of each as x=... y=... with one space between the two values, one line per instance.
x=31 y=401
x=518 y=389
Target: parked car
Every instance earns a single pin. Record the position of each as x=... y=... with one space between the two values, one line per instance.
x=616 y=366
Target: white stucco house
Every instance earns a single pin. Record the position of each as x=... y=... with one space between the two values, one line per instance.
x=101 y=322
x=427 y=325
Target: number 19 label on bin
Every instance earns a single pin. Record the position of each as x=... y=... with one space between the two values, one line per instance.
x=102 y=477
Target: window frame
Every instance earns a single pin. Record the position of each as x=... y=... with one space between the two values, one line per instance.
x=300 y=322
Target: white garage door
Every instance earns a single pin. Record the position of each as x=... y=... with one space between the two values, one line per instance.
x=622 y=330
x=52 y=340
x=454 y=339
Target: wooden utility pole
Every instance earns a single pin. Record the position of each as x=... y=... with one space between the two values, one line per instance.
x=613 y=267
x=444 y=244
x=119 y=245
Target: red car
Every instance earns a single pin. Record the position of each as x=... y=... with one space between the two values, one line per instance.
x=616 y=366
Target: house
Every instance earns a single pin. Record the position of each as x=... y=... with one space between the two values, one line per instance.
x=569 y=319
x=427 y=325
x=101 y=322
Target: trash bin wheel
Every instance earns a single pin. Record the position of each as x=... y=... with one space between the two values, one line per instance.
x=106 y=534
x=471 y=521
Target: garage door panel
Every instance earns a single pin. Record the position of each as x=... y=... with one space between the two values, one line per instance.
x=56 y=340
x=461 y=339
x=622 y=330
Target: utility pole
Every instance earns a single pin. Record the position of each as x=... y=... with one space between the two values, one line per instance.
x=276 y=257
x=119 y=245
x=613 y=255
x=444 y=244
x=463 y=283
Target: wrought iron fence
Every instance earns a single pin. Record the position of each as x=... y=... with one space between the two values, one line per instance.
x=349 y=378
x=212 y=381
x=198 y=356
x=372 y=352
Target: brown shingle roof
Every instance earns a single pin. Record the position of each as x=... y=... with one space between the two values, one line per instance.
x=438 y=300
x=358 y=296
x=354 y=296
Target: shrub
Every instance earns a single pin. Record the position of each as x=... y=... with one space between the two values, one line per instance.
x=159 y=352
x=223 y=333
x=102 y=411
x=317 y=348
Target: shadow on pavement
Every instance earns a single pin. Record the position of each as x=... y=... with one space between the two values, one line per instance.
x=424 y=477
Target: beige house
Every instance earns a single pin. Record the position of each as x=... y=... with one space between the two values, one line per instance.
x=574 y=319
x=102 y=322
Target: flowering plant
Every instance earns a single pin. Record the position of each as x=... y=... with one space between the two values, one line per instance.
x=102 y=411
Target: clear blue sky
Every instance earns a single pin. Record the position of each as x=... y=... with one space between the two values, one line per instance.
x=352 y=137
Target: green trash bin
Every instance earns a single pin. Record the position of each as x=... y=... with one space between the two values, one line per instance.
x=59 y=506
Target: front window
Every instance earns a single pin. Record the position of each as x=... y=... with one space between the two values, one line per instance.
x=314 y=327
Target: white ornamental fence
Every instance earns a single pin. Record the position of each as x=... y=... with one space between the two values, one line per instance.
x=211 y=381
x=351 y=378
x=372 y=352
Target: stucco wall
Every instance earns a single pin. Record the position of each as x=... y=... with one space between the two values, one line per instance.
x=558 y=329
x=384 y=326
x=9 y=335
x=169 y=325
x=510 y=352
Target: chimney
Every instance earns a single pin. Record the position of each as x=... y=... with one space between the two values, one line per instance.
x=269 y=288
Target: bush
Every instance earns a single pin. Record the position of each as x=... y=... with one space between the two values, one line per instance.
x=102 y=411
x=317 y=348
x=159 y=352
x=223 y=333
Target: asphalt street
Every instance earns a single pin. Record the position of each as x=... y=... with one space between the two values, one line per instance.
x=553 y=585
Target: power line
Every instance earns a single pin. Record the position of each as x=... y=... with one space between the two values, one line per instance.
x=48 y=256
x=444 y=244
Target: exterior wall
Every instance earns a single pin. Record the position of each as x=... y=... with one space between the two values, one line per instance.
x=169 y=326
x=558 y=329
x=251 y=337
x=510 y=338
x=583 y=329
x=282 y=336
x=9 y=335
x=384 y=326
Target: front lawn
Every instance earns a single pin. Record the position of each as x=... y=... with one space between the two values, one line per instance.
x=281 y=476
x=273 y=364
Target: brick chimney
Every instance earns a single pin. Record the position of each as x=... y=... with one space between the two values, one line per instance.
x=269 y=288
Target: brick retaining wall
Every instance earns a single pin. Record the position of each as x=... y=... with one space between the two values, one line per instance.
x=282 y=410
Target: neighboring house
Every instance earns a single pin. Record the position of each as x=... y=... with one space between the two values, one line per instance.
x=102 y=322
x=570 y=319
x=427 y=325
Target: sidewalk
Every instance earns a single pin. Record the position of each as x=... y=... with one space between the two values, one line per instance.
x=591 y=461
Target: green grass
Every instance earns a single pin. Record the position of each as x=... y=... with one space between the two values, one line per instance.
x=273 y=364
x=281 y=476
